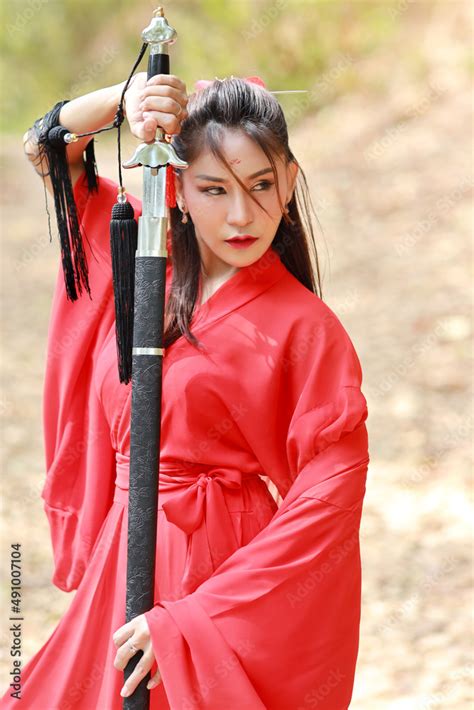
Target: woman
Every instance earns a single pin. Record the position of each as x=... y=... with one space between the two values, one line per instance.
x=256 y=605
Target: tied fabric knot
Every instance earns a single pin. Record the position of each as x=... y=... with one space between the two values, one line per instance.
x=201 y=511
x=204 y=83
x=186 y=509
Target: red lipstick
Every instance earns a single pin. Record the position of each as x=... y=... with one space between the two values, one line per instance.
x=241 y=241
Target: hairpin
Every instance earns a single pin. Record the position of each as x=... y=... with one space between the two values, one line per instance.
x=204 y=83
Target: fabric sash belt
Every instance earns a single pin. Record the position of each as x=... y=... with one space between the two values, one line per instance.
x=199 y=507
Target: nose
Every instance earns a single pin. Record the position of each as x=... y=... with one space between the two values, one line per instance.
x=240 y=210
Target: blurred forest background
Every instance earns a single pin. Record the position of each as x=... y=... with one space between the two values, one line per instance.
x=384 y=135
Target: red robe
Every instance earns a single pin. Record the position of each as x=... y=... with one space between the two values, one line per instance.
x=255 y=606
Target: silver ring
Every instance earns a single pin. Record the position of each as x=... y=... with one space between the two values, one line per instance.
x=132 y=647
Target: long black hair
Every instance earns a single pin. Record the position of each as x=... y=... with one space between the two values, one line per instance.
x=236 y=104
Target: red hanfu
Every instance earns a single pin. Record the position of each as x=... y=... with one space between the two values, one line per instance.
x=255 y=606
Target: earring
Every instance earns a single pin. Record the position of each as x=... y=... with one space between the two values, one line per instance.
x=184 y=218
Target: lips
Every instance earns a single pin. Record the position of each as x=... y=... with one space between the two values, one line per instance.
x=241 y=238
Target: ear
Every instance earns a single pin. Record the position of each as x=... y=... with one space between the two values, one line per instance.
x=178 y=182
x=292 y=174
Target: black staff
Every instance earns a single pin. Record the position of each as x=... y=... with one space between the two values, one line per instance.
x=147 y=357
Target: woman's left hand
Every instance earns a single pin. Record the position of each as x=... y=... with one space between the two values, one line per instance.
x=130 y=638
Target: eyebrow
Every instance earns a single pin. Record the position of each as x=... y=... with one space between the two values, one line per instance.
x=264 y=171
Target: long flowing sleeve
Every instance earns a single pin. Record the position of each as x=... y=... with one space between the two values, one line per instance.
x=277 y=624
x=80 y=459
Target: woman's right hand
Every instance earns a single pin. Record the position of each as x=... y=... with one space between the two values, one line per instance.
x=161 y=101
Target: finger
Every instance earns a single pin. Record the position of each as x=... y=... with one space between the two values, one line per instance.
x=169 y=79
x=154 y=681
x=168 y=123
x=163 y=104
x=122 y=634
x=165 y=92
x=143 y=666
x=125 y=653
x=142 y=127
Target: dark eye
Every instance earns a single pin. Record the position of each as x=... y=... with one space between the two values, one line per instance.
x=266 y=184
x=208 y=190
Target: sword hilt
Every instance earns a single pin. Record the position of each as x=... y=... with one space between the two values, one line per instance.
x=160 y=36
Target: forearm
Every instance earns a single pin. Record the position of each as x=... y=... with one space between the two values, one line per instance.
x=82 y=114
x=91 y=111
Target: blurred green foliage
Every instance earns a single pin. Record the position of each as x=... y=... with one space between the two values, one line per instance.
x=56 y=49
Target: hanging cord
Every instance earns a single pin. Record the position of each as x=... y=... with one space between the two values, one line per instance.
x=119 y=115
x=52 y=141
x=123 y=247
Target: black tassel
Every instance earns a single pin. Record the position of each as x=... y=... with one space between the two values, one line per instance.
x=123 y=245
x=91 y=167
x=53 y=147
x=52 y=143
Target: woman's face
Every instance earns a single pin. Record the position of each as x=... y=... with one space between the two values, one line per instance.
x=220 y=208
